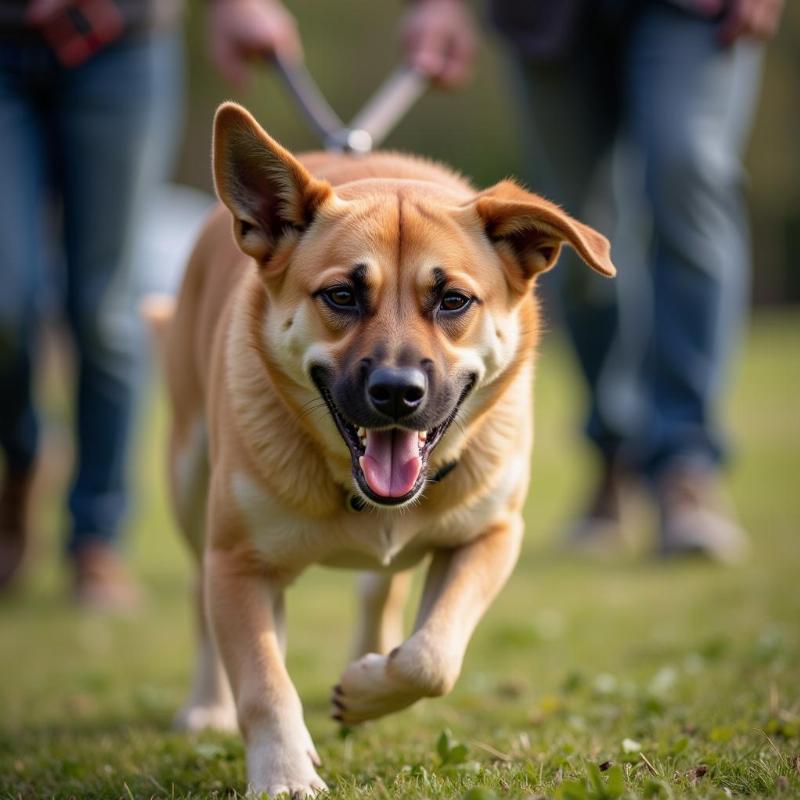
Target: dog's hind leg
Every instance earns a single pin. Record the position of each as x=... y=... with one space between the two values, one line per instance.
x=382 y=598
x=210 y=704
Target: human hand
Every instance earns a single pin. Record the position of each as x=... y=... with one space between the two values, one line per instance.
x=438 y=37
x=241 y=30
x=754 y=19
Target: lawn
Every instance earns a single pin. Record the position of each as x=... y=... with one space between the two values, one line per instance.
x=684 y=676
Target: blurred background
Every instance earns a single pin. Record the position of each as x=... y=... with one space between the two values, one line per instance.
x=351 y=51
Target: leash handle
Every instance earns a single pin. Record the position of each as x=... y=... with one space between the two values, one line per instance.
x=401 y=90
x=303 y=88
x=393 y=100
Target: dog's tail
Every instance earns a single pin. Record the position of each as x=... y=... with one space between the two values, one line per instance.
x=157 y=311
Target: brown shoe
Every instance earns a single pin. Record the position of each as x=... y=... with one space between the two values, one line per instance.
x=103 y=582
x=14 y=496
x=696 y=518
x=599 y=530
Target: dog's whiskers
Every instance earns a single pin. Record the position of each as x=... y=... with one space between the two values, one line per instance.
x=309 y=409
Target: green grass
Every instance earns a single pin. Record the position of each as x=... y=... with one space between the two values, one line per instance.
x=685 y=676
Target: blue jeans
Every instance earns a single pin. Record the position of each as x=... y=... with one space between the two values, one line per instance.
x=641 y=133
x=88 y=143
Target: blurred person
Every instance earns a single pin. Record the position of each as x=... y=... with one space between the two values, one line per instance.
x=635 y=115
x=90 y=94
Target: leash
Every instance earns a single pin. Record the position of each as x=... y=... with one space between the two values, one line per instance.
x=395 y=97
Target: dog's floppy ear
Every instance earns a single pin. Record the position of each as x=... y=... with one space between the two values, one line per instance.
x=268 y=191
x=529 y=231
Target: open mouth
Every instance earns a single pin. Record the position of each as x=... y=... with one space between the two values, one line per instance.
x=390 y=465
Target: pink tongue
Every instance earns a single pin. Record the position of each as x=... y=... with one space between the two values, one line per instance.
x=391 y=463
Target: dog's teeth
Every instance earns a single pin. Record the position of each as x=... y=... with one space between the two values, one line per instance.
x=423 y=436
x=361 y=462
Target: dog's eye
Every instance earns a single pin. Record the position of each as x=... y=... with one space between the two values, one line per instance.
x=454 y=301
x=341 y=297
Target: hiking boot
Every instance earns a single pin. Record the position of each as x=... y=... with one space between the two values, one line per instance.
x=695 y=517
x=102 y=580
x=14 y=496
x=600 y=528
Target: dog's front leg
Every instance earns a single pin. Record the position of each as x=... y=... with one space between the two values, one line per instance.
x=243 y=605
x=461 y=584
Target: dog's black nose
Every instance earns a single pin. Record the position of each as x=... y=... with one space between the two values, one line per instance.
x=396 y=392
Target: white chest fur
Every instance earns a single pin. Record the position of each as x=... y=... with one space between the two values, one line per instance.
x=368 y=539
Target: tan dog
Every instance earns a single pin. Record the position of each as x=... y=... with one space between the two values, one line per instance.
x=350 y=374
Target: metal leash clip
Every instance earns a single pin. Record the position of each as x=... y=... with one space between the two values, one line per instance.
x=401 y=90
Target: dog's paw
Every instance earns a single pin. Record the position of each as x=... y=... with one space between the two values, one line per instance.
x=275 y=769
x=369 y=688
x=206 y=718
x=288 y=787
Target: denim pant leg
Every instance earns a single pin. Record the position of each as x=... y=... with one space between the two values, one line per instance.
x=110 y=125
x=568 y=119
x=22 y=204
x=690 y=105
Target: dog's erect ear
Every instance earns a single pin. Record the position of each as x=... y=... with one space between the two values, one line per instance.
x=268 y=191
x=529 y=231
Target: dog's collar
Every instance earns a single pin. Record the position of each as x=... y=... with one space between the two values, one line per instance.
x=443 y=471
x=357 y=503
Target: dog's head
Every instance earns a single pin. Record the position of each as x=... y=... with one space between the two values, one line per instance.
x=392 y=300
